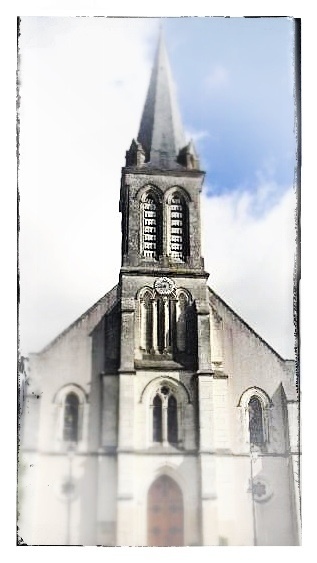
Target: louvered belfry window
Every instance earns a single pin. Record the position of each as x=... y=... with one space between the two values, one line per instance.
x=177 y=229
x=150 y=227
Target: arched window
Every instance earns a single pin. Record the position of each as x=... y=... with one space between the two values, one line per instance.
x=161 y=325
x=165 y=324
x=150 y=227
x=146 y=322
x=255 y=415
x=172 y=423
x=70 y=430
x=178 y=229
x=181 y=321
x=165 y=416
x=70 y=417
x=157 y=419
x=255 y=421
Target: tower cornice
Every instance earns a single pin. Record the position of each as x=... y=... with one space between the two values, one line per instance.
x=181 y=173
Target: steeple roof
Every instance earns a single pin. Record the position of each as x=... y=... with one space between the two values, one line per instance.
x=161 y=132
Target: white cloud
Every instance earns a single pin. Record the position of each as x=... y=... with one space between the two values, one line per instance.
x=251 y=259
x=82 y=94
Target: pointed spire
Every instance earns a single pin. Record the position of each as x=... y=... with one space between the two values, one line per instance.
x=161 y=132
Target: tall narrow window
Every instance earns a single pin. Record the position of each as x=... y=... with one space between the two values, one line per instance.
x=146 y=322
x=256 y=421
x=70 y=433
x=181 y=322
x=150 y=228
x=178 y=229
x=157 y=419
x=172 y=425
x=160 y=325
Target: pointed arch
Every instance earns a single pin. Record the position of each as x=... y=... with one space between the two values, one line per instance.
x=166 y=401
x=177 y=387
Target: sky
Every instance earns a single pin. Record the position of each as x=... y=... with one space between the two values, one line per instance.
x=83 y=83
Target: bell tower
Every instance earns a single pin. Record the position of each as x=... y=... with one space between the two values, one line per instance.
x=162 y=277
x=165 y=326
x=161 y=184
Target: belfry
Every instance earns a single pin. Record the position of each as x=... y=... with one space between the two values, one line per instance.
x=159 y=417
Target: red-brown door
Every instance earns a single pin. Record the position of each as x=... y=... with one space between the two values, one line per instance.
x=165 y=513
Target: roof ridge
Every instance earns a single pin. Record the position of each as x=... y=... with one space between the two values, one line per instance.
x=76 y=321
x=247 y=325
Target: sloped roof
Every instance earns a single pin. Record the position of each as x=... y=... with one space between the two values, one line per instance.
x=213 y=294
x=102 y=306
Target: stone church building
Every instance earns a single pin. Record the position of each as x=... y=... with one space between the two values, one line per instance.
x=159 y=417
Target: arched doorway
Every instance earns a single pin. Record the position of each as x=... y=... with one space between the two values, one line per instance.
x=165 y=516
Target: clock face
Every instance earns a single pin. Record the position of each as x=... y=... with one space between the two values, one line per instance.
x=164 y=286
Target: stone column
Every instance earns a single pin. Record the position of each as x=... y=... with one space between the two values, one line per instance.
x=294 y=461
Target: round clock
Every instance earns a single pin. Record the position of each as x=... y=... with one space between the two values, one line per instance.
x=164 y=286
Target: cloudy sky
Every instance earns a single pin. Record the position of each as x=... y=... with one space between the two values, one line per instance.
x=83 y=85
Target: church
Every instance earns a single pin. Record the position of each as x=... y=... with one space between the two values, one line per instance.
x=160 y=417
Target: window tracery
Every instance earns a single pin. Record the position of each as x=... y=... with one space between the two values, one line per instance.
x=255 y=421
x=255 y=412
x=164 y=322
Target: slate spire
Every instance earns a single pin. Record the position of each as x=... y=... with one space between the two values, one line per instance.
x=161 y=134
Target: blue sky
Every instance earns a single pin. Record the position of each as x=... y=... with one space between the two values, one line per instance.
x=83 y=85
x=237 y=86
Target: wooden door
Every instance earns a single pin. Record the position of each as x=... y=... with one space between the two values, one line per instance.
x=165 y=513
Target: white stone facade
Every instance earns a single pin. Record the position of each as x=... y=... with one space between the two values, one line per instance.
x=115 y=460
x=160 y=417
